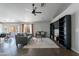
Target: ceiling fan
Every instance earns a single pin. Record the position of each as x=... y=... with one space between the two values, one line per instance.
x=34 y=10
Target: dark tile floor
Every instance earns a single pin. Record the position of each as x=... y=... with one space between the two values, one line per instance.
x=8 y=48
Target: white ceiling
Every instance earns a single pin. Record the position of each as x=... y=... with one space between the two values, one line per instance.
x=21 y=12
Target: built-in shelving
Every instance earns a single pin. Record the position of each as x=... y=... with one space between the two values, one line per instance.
x=65 y=31
x=64 y=25
x=51 y=31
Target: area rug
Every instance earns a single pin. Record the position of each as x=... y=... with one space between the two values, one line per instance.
x=41 y=43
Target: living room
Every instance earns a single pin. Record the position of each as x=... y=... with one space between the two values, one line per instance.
x=28 y=29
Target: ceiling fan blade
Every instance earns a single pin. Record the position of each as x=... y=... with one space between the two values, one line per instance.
x=34 y=9
x=38 y=12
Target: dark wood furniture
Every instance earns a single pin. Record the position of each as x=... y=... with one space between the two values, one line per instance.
x=40 y=34
x=65 y=31
x=53 y=26
x=64 y=26
x=52 y=31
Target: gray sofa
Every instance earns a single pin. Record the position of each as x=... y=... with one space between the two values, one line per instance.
x=23 y=38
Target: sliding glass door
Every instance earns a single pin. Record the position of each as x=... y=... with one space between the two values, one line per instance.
x=20 y=28
x=26 y=28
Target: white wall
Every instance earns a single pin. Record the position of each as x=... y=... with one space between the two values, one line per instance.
x=42 y=26
x=73 y=10
x=75 y=31
x=1 y=27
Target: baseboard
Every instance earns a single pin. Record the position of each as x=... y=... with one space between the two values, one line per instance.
x=75 y=50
